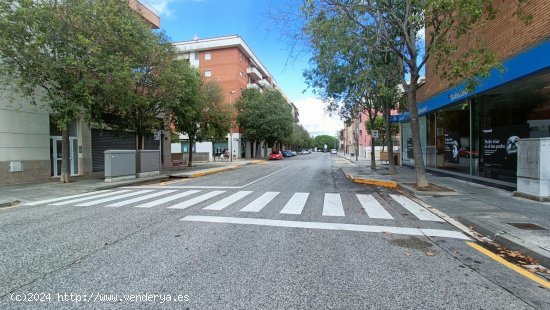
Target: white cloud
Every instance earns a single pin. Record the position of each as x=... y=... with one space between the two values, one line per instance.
x=162 y=6
x=315 y=120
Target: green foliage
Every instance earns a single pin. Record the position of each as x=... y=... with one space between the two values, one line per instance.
x=299 y=139
x=264 y=116
x=198 y=110
x=380 y=125
x=320 y=141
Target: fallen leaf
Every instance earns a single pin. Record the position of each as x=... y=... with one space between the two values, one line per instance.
x=408 y=254
x=430 y=252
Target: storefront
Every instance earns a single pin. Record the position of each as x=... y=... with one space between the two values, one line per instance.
x=476 y=133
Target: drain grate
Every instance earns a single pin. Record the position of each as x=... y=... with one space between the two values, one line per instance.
x=527 y=226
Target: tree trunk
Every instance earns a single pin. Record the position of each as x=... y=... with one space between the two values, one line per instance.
x=392 y=169
x=421 y=178
x=213 y=151
x=190 y=161
x=65 y=156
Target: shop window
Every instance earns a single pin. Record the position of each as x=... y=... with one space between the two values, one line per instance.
x=207 y=73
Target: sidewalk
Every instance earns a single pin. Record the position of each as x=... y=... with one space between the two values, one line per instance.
x=486 y=209
x=13 y=194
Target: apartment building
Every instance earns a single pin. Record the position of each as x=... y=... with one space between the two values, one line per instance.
x=473 y=134
x=30 y=146
x=231 y=62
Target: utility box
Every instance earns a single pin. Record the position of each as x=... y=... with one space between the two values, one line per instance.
x=533 y=171
x=120 y=165
x=147 y=163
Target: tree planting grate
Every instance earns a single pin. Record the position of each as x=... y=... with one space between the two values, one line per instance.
x=527 y=226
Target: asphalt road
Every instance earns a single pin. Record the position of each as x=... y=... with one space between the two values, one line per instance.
x=292 y=234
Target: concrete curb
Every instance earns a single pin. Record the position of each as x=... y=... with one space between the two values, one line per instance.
x=203 y=172
x=370 y=181
x=9 y=203
x=507 y=240
x=133 y=182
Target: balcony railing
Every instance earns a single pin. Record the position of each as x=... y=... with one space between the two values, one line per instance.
x=254 y=73
x=146 y=11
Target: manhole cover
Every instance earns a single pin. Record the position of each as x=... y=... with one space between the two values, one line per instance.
x=527 y=226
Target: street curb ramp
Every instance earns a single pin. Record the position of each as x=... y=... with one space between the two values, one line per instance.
x=376 y=181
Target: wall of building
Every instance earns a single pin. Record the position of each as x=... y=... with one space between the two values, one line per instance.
x=506 y=35
x=24 y=136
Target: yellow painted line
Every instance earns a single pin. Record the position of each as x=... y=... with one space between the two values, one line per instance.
x=506 y=263
x=390 y=184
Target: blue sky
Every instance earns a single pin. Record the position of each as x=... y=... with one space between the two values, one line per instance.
x=183 y=19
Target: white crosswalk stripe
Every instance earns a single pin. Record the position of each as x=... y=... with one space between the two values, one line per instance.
x=118 y=197
x=34 y=203
x=332 y=205
x=222 y=204
x=296 y=204
x=87 y=198
x=259 y=203
x=194 y=201
x=373 y=208
x=138 y=199
x=167 y=199
x=416 y=209
x=332 y=202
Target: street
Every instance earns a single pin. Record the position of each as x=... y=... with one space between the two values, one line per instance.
x=290 y=234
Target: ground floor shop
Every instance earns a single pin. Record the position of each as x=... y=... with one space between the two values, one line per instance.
x=476 y=133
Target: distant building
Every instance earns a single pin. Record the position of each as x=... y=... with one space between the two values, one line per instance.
x=230 y=62
x=472 y=134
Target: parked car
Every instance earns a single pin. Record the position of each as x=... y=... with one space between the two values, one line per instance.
x=294 y=153
x=333 y=151
x=287 y=153
x=304 y=152
x=275 y=156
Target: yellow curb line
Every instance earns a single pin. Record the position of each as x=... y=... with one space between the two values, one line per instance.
x=389 y=184
x=200 y=174
x=517 y=269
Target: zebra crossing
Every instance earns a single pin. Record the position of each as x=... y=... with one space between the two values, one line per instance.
x=332 y=203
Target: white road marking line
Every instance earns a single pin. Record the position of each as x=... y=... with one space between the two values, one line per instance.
x=296 y=204
x=182 y=187
x=34 y=203
x=194 y=201
x=328 y=226
x=373 y=208
x=222 y=204
x=416 y=209
x=88 y=198
x=166 y=199
x=141 y=198
x=96 y=202
x=267 y=176
x=332 y=206
x=259 y=203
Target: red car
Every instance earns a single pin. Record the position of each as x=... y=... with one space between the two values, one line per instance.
x=275 y=156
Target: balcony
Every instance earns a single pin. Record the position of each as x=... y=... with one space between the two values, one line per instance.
x=252 y=85
x=146 y=11
x=264 y=83
x=254 y=73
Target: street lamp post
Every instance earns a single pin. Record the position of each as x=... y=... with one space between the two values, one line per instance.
x=231 y=129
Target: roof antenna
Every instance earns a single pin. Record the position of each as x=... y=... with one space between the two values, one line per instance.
x=196 y=37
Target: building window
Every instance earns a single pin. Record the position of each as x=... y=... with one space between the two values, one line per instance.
x=241 y=56
x=207 y=73
x=207 y=56
x=241 y=74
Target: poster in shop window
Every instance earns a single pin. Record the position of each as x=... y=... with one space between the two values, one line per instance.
x=410 y=154
x=452 y=139
x=500 y=145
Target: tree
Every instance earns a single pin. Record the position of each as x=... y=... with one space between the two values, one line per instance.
x=380 y=126
x=320 y=141
x=199 y=110
x=398 y=26
x=264 y=116
x=348 y=71
x=299 y=138
x=68 y=55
